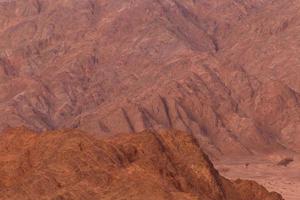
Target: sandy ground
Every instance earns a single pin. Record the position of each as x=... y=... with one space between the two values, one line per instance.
x=285 y=180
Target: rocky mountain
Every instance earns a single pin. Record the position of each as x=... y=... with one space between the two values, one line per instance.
x=61 y=165
x=224 y=70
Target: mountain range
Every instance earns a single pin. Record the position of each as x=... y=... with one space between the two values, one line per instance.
x=224 y=70
x=220 y=75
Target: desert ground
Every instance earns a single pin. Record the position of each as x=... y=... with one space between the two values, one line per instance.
x=265 y=171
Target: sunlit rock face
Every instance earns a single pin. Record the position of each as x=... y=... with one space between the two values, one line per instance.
x=225 y=70
x=162 y=165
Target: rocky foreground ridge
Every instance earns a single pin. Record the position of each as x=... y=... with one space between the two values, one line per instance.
x=63 y=165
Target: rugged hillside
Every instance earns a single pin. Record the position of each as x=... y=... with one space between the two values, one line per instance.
x=224 y=70
x=148 y=165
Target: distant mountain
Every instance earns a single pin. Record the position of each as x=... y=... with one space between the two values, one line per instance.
x=225 y=70
x=148 y=165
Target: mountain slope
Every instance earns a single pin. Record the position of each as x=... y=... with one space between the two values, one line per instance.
x=147 y=165
x=115 y=66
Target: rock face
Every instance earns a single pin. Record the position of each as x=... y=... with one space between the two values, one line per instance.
x=225 y=70
x=148 y=165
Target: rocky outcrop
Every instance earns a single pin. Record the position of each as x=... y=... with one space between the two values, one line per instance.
x=148 y=165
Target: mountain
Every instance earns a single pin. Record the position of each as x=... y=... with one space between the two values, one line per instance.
x=224 y=70
x=70 y=164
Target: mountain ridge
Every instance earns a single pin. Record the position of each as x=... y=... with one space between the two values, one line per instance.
x=150 y=165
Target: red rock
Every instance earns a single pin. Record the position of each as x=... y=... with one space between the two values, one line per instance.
x=148 y=165
x=225 y=71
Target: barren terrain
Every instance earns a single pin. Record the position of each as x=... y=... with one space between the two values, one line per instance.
x=225 y=71
x=285 y=180
x=71 y=165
